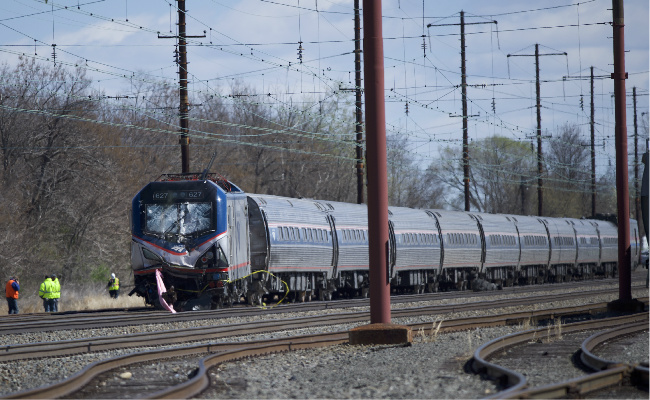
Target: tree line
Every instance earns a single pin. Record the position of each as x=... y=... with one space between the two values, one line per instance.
x=73 y=158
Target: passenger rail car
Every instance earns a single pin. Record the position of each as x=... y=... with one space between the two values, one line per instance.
x=216 y=245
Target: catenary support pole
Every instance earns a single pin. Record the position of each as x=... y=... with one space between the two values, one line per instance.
x=373 y=67
x=622 y=185
x=184 y=102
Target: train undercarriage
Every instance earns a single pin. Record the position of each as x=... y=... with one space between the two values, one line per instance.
x=261 y=288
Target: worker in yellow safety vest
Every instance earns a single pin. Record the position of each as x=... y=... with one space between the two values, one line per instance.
x=46 y=292
x=56 y=294
x=113 y=286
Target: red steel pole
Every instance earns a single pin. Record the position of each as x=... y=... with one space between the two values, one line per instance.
x=375 y=110
x=622 y=185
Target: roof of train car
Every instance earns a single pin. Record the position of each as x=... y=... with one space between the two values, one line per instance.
x=289 y=210
x=410 y=218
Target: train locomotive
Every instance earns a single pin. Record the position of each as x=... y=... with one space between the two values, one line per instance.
x=216 y=245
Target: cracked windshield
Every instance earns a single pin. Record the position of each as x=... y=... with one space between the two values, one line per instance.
x=180 y=219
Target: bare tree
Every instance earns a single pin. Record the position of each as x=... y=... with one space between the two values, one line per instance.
x=568 y=174
x=497 y=166
x=55 y=174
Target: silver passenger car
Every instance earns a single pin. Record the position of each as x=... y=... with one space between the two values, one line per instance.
x=587 y=242
x=608 y=236
x=461 y=239
x=563 y=241
x=533 y=239
x=501 y=241
x=417 y=241
x=351 y=222
x=300 y=235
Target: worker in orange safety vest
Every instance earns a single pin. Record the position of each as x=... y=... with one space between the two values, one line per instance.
x=11 y=293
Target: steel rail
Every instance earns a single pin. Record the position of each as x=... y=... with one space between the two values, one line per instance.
x=516 y=382
x=172 y=337
x=76 y=382
x=24 y=323
x=639 y=372
x=608 y=373
x=244 y=349
x=593 y=361
x=163 y=317
x=201 y=380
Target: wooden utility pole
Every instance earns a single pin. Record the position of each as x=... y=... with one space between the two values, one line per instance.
x=181 y=59
x=593 y=147
x=540 y=162
x=358 y=104
x=592 y=126
x=637 y=199
x=463 y=89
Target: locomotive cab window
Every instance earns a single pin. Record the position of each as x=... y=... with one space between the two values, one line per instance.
x=183 y=219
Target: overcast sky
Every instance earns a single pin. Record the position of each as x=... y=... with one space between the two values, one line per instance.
x=256 y=43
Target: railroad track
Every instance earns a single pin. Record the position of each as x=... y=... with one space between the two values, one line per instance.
x=609 y=372
x=24 y=323
x=14 y=352
x=209 y=354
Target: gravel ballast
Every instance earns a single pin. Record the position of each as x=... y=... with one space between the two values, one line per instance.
x=431 y=368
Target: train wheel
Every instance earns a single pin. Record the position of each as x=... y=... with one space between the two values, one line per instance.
x=254 y=299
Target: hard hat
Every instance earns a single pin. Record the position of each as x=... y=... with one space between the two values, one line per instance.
x=113 y=276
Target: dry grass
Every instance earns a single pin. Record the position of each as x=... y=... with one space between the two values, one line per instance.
x=78 y=299
x=433 y=333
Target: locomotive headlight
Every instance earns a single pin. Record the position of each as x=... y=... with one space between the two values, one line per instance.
x=207 y=256
x=149 y=255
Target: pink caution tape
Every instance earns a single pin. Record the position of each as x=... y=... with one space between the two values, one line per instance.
x=161 y=290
